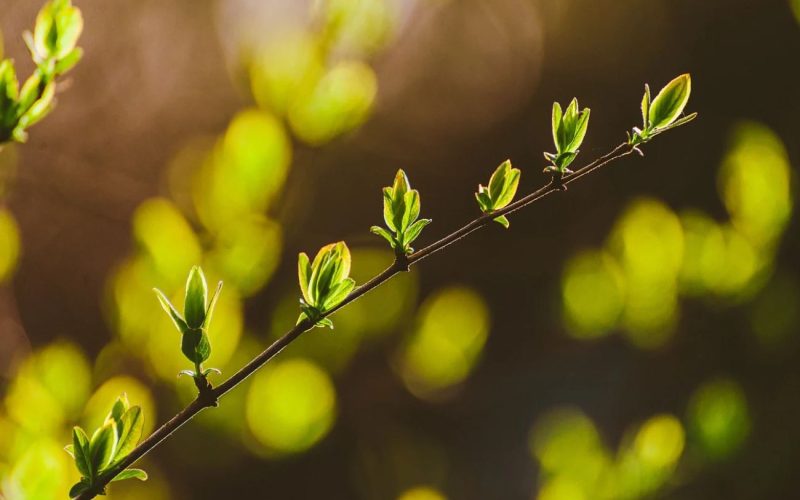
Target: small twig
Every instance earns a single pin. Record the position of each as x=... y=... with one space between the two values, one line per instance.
x=208 y=396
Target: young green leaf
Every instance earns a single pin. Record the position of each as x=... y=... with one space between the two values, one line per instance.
x=501 y=191
x=339 y=293
x=325 y=282
x=79 y=488
x=211 y=305
x=304 y=275
x=132 y=424
x=503 y=221
x=101 y=448
x=579 y=132
x=195 y=346
x=57 y=29
x=506 y=193
x=401 y=209
x=388 y=208
x=194 y=308
x=557 y=117
x=383 y=233
x=569 y=130
x=80 y=451
x=412 y=206
x=121 y=405
x=131 y=474
x=646 y=107
x=670 y=102
x=68 y=62
x=414 y=230
x=173 y=313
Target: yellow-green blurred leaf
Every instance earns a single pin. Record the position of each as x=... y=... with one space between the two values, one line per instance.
x=339 y=102
x=9 y=244
x=291 y=405
x=593 y=294
x=452 y=328
x=167 y=239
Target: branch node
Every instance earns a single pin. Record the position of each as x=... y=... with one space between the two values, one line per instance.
x=401 y=262
x=557 y=180
x=206 y=394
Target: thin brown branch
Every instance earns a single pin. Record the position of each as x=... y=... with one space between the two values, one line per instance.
x=209 y=398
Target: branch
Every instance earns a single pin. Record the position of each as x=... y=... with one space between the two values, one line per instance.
x=209 y=398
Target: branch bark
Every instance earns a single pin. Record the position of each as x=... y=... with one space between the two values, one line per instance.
x=210 y=397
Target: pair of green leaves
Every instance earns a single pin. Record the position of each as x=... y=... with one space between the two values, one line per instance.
x=193 y=324
x=401 y=207
x=324 y=283
x=112 y=442
x=54 y=39
x=661 y=114
x=502 y=189
x=53 y=48
x=569 y=130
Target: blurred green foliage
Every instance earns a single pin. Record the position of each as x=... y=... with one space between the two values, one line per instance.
x=654 y=256
x=446 y=342
x=291 y=405
x=422 y=493
x=719 y=418
x=576 y=464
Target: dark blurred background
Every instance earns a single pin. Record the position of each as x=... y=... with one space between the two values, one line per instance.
x=635 y=337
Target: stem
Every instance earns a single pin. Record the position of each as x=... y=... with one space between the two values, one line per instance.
x=209 y=398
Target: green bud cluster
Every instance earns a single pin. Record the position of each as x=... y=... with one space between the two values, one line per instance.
x=401 y=207
x=501 y=190
x=53 y=48
x=569 y=130
x=96 y=456
x=193 y=324
x=324 y=283
x=662 y=113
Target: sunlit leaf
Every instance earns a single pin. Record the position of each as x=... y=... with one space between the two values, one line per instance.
x=131 y=474
x=670 y=102
x=196 y=298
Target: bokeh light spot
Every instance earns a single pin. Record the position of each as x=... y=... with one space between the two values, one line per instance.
x=561 y=488
x=339 y=102
x=40 y=474
x=422 y=493
x=9 y=244
x=648 y=242
x=247 y=252
x=567 y=444
x=167 y=238
x=704 y=244
x=244 y=172
x=451 y=330
x=593 y=294
x=291 y=405
x=754 y=182
x=718 y=417
x=659 y=442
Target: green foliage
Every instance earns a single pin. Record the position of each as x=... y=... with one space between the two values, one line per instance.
x=193 y=325
x=95 y=458
x=502 y=188
x=569 y=129
x=661 y=114
x=324 y=283
x=401 y=207
x=53 y=48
